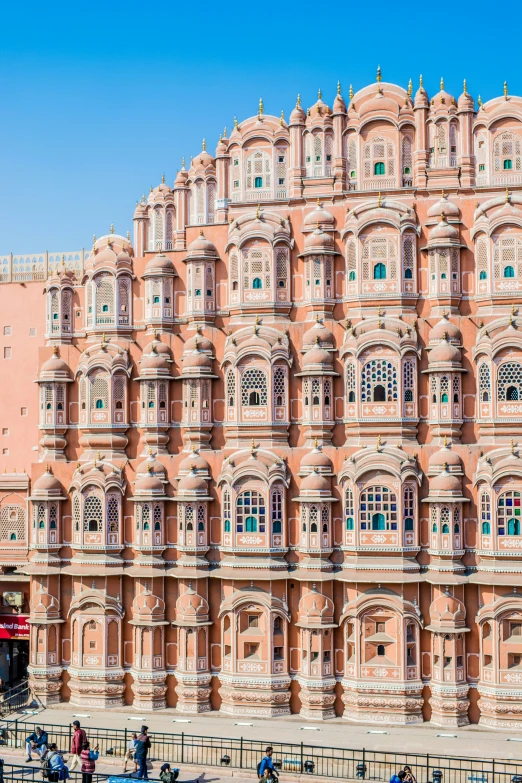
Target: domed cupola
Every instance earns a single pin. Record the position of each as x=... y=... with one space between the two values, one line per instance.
x=201 y=273
x=316 y=610
x=319 y=218
x=154 y=379
x=317 y=374
x=445 y=330
x=148 y=609
x=318 y=333
x=196 y=377
x=53 y=421
x=445 y=371
x=443 y=249
x=159 y=277
x=444 y=207
x=298 y=114
x=192 y=499
x=315 y=500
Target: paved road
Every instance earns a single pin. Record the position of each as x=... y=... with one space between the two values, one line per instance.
x=468 y=741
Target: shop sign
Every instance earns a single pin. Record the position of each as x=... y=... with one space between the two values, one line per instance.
x=14 y=626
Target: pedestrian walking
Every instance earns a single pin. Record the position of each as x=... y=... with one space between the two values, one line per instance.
x=89 y=758
x=36 y=743
x=79 y=737
x=142 y=751
x=266 y=769
x=129 y=753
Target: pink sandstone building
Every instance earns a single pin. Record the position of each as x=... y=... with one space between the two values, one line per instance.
x=266 y=457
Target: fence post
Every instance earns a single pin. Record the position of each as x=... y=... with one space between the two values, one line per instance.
x=182 y=746
x=16 y=733
x=301 y=758
x=125 y=743
x=364 y=763
x=493 y=771
x=241 y=754
x=70 y=736
x=427 y=767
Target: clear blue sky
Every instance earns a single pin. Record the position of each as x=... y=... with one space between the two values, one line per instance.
x=98 y=99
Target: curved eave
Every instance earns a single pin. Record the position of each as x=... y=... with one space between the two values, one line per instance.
x=312 y=371
x=319 y=252
x=445 y=499
x=47 y=498
x=315 y=499
x=155 y=377
x=148 y=498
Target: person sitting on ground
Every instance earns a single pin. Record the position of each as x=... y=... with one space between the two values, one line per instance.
x=129 y=753
x=410 y=777
x=398 y=777
x=36 y=743
x=168 y=775
x=265 y=768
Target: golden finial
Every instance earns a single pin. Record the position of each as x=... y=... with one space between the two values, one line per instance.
x=420 y=82
x=109 y=241
x=338 y=88
x=196 y=342
x=47 y=468
x=55 y=350
x=378 y=446
x=261 y=107
x=443 y=193
x=282 y=118
x=183 y=164
x=442 y=82
x=104 y=339
x=379 y=200
x=512 y=308
x=445 y=441
x=128 y=236
x=465 y=87
x=258 y=210
x=236 y=124
x=507 y=196
x=298 y=102
x=252 y=447
x=99 y=456
x=512 y=446
x=316 y=443
x=163 y=179
x=63 y=260
x=94 y=239
x=225 y=132
x=204 y=145
x=319 y=95
x=350 y=92
x=149 y=468
x=150 y=451
x=479 y=101
x=78 y=465
x=95 y=463
x=505 y=91
x=379 y=74
x=410 y=88
x=112 y=228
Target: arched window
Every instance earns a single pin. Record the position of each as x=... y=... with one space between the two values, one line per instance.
x=379 y=271
x=258 y=171
x=100 y=404
x=92 y=514
x=379 y=169
x=509 y=271
x=257 y=268
x=507 y=256
x=348 y=508
x=484 y=382
x=257 y=282
x=379 y=393
x=485 y=513
x=378 y=251
x=378 y=509
x=509 y=511
x=250 y=512
x=508 y=164
x=379 y=159
x=277 y=512
x=226 y=511
x=231 y=387
x=379 y=373
x=381 y=650
x=350 y=381
x=408 y=499
x=254 y=387
x=483 y=275
x=509 y=382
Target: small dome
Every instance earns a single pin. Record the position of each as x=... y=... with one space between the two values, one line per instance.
x=141 y=210
x=445 y=352
x=445 y=457
x=47 y=483
x=318 y=217
x=149 y=484
x=194 y=462
x=443 y=206
x=443 y=232
x=199 y=341
x=190 y=605
x=465 y=101
x=339 y=106
x=378 y=103
x=192 y=483
x=447 y=483
x=151 y=465
x=156 y=346
x=319 y=109
x=202 y=160
x=195 y=359
x=446 y=610
x=319 y=241
x=445 y=327
x=55 y=366
x=181 y=178
x=154 y=361
x=201 y=248
x=314 y=483
x=317 y=356
x=318 y=334
x=298 y=115
x=123 y=257
x=316 y=459
x=147 y=605
x=421 y=98
x=44 y=605
x=160 y=263
x=314 y=607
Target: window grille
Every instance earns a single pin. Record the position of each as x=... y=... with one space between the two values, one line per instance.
x=506 y=146
x=162 y=395
x=258 y=166
x=380 y=250
x=509 y=381
x=92 y=513
x=444 y=388
x=352 y=158
x=226 y=511
x=351 y=260
x=118 y=390
x=378 y=509
x=53 y=517
x=158 y=516
x=254 y=381
x=256 y=269
x=104 y=296
x=211 y=200
x=509 y=514
x=407 y=159
x=306 y=390
x=379 y=379
x=113 y=514
x=123 y=288
x=408 y=257
x=233 y=269
x=279 y=386
x=280 y=170
x=231 y=387
x=444 y=519
x=408 y=498
x=169 y=231
x=158 y=225
x=484 y=382
x=313 y=516
x=76 y=512
x=433 y=515
x=145 y=516
x=99 y=392
x=377 y=151
x=456 y=388
x=508 y=257
x=281 y=263
x=485 y=513
x=350 y=381
x=408 y=374
x=250 y=512
x=349 y=508
x=277 y=511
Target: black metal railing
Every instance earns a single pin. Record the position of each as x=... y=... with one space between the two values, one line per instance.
x=241 y=753
x=16 y=699
x=13 y=773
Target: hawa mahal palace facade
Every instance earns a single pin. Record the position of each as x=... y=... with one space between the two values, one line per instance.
x=265 y=457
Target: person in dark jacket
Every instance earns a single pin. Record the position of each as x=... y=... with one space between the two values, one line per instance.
x=168 y=775
x=141 y=752
x=36 y=743
x=89 y=758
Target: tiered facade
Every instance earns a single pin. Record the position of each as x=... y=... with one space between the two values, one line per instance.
x=272 y=450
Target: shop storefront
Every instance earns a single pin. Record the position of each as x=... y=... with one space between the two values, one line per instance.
x=14 y=649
